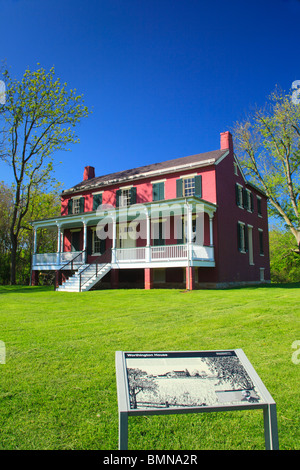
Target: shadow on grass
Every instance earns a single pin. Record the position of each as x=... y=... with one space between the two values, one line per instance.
x=24 y=289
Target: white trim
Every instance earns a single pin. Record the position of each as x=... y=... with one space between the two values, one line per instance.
x=239 y=167
x=158 y=181
x=97 y=192
x=190 y=175
x=222 y=158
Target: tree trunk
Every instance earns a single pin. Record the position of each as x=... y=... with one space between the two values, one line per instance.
x=13 y=260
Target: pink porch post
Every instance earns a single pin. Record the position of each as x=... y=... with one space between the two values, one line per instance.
x=148 y=278
x=34 y=278
x=190 y=278
x=114 y=278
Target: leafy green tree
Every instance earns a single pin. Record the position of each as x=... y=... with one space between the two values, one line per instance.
x=42 y=205
x=267 y=144
x=284 y=259
x=6 y=207
x=39 y=117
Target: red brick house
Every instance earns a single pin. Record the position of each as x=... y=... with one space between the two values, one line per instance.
x=191 y=222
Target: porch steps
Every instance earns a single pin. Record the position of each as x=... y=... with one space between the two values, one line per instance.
x=88 y=278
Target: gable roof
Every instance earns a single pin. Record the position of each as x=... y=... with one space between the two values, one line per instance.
x=155 y=169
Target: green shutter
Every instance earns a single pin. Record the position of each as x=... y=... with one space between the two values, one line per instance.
x=237 y=196
x=89 y=242
x=239 y=236
x=81 y=204
x=133 y=195
x=251 y=202
x=198 y=185
x=179 y=188
x=118 y=195
x=97 y=201
x=70 y=206
x=155 y=192
x=246 y=237
x=162 y=191
x=158 y=191
x=261 y=243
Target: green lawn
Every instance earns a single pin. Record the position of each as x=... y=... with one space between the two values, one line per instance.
x=58 y=389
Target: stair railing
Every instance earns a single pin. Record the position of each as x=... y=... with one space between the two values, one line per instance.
x=97 y=262
x=71 y=262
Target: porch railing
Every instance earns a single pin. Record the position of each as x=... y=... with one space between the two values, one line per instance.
x=164 y=252
x=39 y=259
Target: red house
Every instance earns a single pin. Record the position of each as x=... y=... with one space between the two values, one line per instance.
x=192 y=222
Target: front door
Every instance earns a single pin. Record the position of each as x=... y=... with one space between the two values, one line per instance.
x=75 y=241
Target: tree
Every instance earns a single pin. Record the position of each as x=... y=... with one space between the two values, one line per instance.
x=284 y=261
x=6 y=208
x=230 y=369
x=267 y=145
x=139 y=381
x=42 y=205
x=39 y=116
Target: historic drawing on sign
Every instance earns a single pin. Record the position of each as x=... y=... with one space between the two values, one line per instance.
x=179 y=380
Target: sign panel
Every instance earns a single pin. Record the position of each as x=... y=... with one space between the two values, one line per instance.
x=160 y=380
x=190 y=382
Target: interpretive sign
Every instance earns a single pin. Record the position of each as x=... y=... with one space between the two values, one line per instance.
x=190 y=382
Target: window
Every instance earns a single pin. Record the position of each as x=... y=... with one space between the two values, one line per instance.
x=259 y=206
x=261 y=274
x=249 y=196
x=242 y=237
x=124 y=200
x=98 y=245
x=261 y=241
x=189 y=186
x=235 y=169
x=126 y=197
x=239 y=194
x=76 y=205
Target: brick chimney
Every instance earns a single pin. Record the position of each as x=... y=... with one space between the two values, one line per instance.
x=89 y=173
x=226 y=141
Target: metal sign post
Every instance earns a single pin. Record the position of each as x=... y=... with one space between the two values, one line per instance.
x=152 y=383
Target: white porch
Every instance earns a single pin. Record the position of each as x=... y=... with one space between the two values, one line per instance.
x=184 y=250
x=131 y=258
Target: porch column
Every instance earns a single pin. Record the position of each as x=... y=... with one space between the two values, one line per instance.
x=114 y=239
x=211 y=234
x=84 y=241
x=148 y=244
x=148 y=278
x=189 y=230
x=58 y=243
x=34 y=278
x=190 y=278
x=34 y=240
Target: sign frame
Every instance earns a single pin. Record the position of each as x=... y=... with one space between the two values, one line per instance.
x=265 y=402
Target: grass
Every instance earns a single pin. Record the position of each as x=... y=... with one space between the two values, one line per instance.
x=58 y=389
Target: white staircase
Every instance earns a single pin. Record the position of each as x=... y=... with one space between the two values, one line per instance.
x=85 y=278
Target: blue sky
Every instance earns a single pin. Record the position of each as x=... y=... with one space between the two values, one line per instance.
x=164 y=77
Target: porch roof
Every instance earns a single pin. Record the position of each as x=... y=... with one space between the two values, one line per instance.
x=72 y=220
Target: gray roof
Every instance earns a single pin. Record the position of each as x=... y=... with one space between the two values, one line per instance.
x=155 y=169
